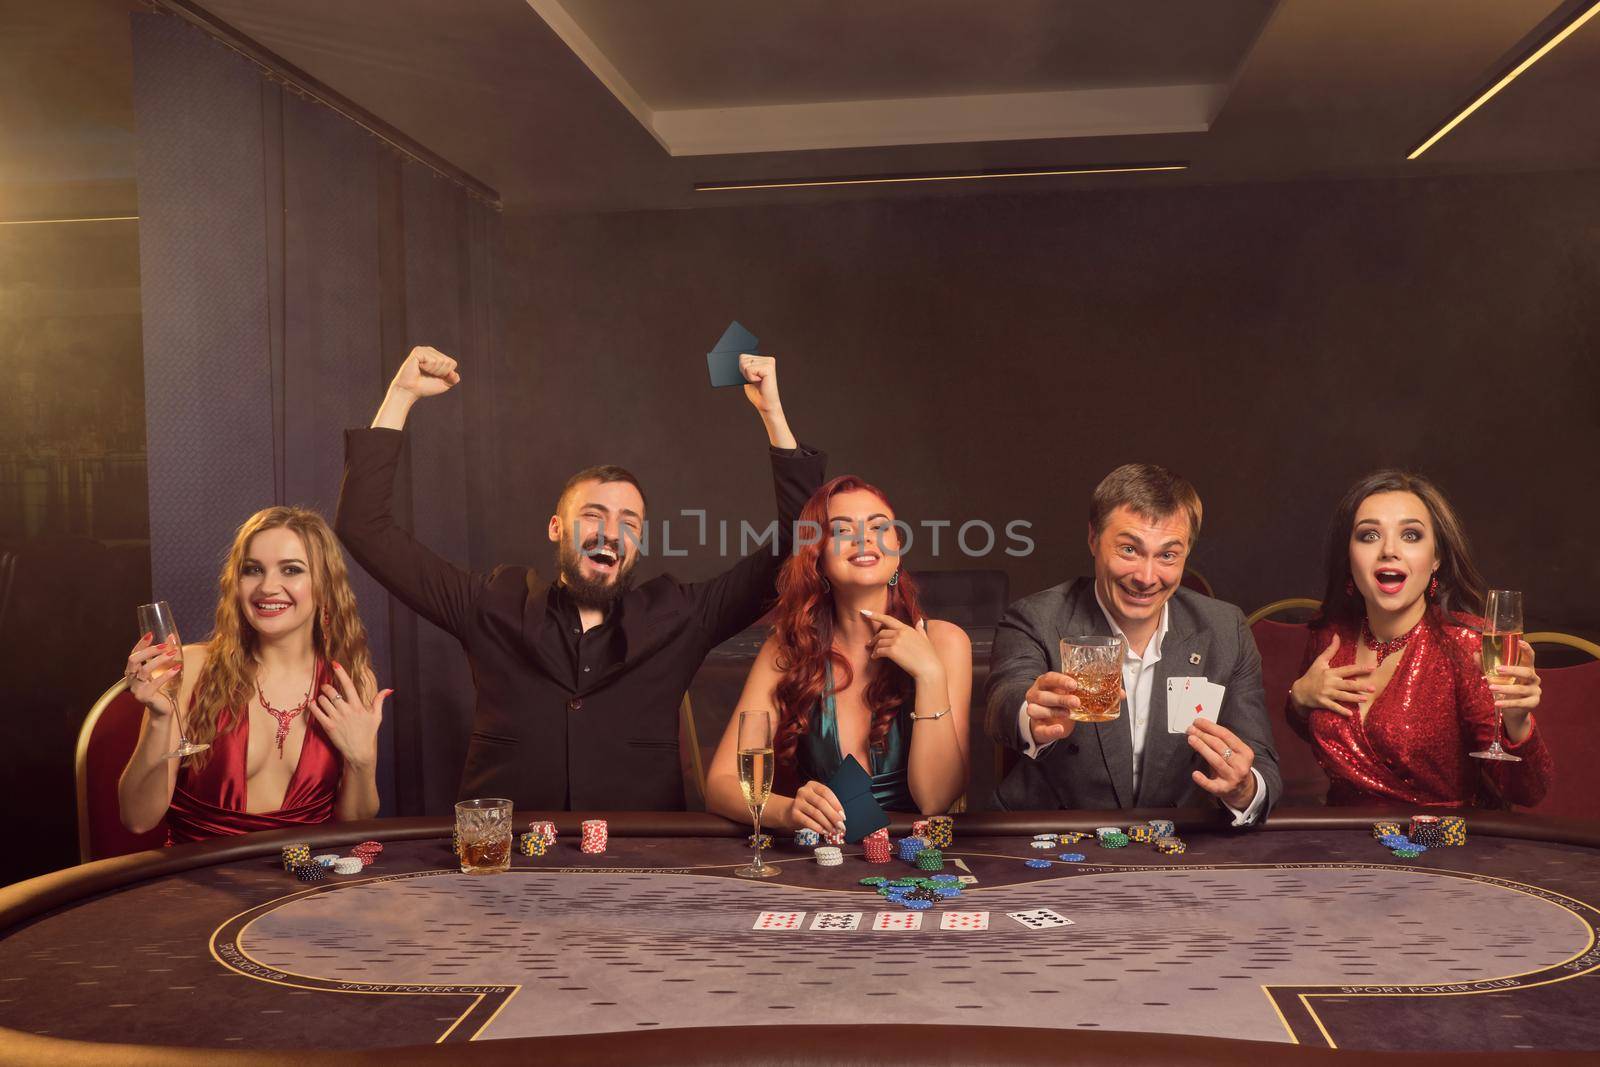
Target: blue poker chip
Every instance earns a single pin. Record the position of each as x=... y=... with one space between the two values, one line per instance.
x=948 y=891
x=1037 y=864
x=1071 y=857
x=948 y=879
x=917 y=905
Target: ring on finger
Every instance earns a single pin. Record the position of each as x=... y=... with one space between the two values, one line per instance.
x=1227 y=753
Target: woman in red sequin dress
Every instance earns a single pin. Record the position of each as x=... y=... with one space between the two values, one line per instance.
x=293 y=734
x=1392 y=696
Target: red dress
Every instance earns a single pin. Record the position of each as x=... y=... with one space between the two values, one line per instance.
x=211 y=802
x=1413 y=745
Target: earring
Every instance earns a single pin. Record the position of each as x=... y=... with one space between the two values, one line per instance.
x=1349 y=587
x=1433 y=588
x=894 y=579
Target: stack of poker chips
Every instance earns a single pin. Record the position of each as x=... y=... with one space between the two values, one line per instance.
x=930 y=859
x=533 y=843
x=1452 y=830
x=594 y=837
x=922 y=828
x=545 y=829
x=309 y=871
x=1071 y=857
x=348 y=865
x=1385 y=829
x=941 y=831
x=1164 y=828
x=367 y=851
x=1048 y=839
x=834 y=838
x=764 y=842
x=1047 y=842
x=917 y=894
x=908 y=847
x=1142 y=832
x=806 y=838
x=327 y=859
x=295 y=855
x=1111 y=837
x=828 y=855
x=875 y=846
x=1425 y=831
x=1170 y=846
x=1070 y=837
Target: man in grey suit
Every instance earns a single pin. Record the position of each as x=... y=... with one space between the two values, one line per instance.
x=1143 y=521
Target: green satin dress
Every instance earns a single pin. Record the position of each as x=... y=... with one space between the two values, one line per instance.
x=818 y=756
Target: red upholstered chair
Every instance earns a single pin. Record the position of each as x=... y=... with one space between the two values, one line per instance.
x=1569 y=719
x=1282 y=646
x=105 y=741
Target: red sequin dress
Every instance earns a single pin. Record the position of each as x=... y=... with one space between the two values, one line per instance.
x=1413 y=745
x=211 y=802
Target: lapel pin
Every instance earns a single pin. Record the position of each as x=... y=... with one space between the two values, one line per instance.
x=1194 y=659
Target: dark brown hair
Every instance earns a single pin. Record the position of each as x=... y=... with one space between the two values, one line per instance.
x=1461 y=587
x=605 y=472
x=1149 y=491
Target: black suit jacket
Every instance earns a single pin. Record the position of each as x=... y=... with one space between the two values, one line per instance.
x=540 y=736
x=1092 y=768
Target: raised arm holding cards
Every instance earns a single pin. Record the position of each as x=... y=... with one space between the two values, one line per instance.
x=578 y=679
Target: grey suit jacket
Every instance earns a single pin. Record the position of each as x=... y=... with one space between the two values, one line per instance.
x=1093 y=767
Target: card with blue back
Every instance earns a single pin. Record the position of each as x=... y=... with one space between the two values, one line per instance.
x=862 y=814
x=723 y=359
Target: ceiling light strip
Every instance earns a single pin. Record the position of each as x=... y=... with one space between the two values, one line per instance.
x=1510 y=76
x=813 y=183
x=51 y=222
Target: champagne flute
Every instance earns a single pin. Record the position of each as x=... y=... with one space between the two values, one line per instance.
x=156 y=619
x=1502 y=647
x=755 y=779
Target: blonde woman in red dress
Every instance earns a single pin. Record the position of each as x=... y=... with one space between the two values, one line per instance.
x=283 y=693
x=1392 y=696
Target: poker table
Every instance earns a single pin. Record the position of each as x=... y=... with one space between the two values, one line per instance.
x=1293 y=940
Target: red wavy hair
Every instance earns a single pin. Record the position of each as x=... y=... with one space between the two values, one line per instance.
x=803 y=629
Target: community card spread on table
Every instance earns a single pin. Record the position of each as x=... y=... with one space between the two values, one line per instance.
x=1189 y=699
x=836 y=920
x=723 y=359
x=1039 y=918
x=780 y=920
x=862 y=813
x=898 y=920
x=964 y=920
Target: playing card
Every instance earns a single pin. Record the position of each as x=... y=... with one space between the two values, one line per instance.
x=724 y=369
x=964 y=920
x=836 y=920
x=862 y=813
x=1039 y=918
x=780 y=920
x=897 y=920
x=735 y=339
x=1209 y=699
x=1189 y=698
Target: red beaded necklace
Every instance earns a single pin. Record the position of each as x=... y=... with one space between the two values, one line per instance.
x=1384 y=649
x=286 y=716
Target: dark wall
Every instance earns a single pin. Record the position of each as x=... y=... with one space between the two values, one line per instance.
x=991 y=358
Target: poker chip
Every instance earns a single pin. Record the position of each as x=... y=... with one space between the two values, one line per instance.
x=918 y=905
x=921 y=828
x=1385 y=829
x=1036 y=864
x=533 y=843
x=1141 y=832
x=874 y=880
x=310 y=872
x=327 y=859
x=1047 y=837
x=828 y=856
x=1042 y=844
x=294 y=855
x=945 y=879
x=806 y=838
x=930 y=859
x=1171 y=846
x=367 y=859
x=373 y=847
x=833 y=837
x=1164 y=827
x=1452 y=830
x=765 y=841
x=908 y=847
x=1071 y=857
x=1101 y=831
x=543 y=828
x=902 y=883
x=348 y=865
x=941 y=831
x=1407 y=853
x=1426 y=830
x=1072 y=837
x=594 y=837
x=455 y=842
x=1114 y=840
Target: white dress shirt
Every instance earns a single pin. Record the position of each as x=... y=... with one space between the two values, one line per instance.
x=1138 y=682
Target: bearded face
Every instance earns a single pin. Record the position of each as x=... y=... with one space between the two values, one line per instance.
x=597 y=540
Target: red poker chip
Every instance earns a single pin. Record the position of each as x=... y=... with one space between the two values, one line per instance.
x=368 y=846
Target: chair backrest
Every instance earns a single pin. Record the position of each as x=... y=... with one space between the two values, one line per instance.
x=1569 y=719
x=1283 y=646
x=105 y=741
x=1299 y=605
x=1193 y=579
x=969 y=598
x=692 y=759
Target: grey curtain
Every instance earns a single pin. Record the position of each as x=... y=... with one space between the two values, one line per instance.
x=289 y=261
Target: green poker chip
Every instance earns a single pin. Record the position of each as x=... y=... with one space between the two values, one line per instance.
x=874 y=880
x=1118 y=840
x=1406 y=853
x=908 y=883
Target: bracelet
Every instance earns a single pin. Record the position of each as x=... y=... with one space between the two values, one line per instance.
x=928 y=718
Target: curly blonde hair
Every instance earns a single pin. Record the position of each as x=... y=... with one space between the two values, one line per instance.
x=228 y=677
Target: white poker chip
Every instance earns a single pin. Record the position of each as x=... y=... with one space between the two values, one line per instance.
x=1042 y=844
x=828 y=856
x=1047 y=837
x=327 y=859
x=347 y=865
x=1101 y=831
